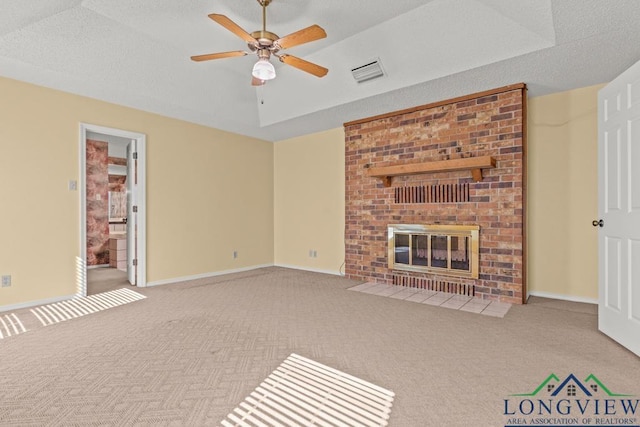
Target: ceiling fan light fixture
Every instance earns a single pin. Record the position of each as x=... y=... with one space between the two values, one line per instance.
x=264 y=70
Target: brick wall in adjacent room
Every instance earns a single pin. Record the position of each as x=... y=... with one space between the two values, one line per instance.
x=486 y=124
x=97 y=203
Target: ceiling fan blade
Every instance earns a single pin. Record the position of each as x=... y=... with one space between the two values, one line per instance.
x=305 y=35
x=233 y=27
x=303 y=65
x=257 y=82
x=219 y=55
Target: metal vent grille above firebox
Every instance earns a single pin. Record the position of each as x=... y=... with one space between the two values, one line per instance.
x=443 y=193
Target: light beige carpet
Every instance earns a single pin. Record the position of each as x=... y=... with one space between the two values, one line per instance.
x=304 y=392
x=189 y=353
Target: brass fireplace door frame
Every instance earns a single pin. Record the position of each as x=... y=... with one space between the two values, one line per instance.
x=471 y=231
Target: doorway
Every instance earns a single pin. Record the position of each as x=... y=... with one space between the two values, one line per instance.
x=122 y=209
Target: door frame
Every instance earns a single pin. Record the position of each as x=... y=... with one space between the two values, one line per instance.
x=141 y=256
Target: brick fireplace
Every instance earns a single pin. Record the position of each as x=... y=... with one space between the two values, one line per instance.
x=457 y=162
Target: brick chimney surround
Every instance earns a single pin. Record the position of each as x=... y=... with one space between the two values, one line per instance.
x=407 y=167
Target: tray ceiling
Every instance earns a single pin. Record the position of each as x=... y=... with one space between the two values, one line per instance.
x=136 y=53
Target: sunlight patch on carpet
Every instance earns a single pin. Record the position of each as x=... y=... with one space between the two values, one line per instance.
x=301 y=392
x=10 y=325
x=81 y=306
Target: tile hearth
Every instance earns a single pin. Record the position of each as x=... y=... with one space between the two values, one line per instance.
x=440 y=299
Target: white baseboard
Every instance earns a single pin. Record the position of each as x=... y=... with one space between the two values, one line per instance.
x=205 y=275
x=313 y=270
x=91 y=267
x=34 y=303
x=563 y=297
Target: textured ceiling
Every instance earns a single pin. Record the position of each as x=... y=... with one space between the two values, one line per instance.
x=136 y=53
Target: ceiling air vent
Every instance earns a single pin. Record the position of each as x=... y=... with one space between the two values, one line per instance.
x=369 y=71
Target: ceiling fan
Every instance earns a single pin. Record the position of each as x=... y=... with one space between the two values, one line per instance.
x=265 y=43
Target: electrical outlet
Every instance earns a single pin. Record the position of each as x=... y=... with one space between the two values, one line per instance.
x=235 y=254
x=315 y=253
x=6 y=281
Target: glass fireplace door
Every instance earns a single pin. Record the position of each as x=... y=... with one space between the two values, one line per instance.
x=452 y=250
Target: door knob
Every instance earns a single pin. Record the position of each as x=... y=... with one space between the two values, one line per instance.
x=598 y=223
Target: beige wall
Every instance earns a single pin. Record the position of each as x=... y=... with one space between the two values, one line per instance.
x=562 y=194
x=209 y=192
x=309 y=201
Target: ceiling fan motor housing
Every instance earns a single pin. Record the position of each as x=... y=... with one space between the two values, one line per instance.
x=264 y=38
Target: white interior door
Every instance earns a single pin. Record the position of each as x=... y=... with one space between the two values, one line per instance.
x=132 y=211
x=619 y=209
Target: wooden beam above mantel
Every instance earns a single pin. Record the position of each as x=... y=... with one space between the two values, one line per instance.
x=473 y=164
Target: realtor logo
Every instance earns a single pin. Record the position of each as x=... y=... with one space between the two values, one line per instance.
x=572 y=402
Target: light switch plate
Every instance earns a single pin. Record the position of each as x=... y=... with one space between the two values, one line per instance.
x=6 y=281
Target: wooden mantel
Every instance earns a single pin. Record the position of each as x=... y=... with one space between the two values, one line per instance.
x=474 y=164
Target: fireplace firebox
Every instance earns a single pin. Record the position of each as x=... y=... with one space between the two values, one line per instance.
x=450 y=250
